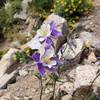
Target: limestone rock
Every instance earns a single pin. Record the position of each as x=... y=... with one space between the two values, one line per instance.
x=66 y=97
x=72 y=73
x=31 y=22
x=70 y=54
x=68 y=87
x=62 y=26
x=89 y=38
x=15 y=44
x=23 y=72
x=71 y=51
x=7 y=61
x=6 y=96
x=23 y=14
x=85 y=74
x=97 y=81
x=7 y=79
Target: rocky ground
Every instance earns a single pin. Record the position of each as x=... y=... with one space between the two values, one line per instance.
x=27 y=87
x=92 y=22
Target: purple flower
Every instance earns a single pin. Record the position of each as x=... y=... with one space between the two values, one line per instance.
x=98 y=57
x=43 y=42
x=45 y=61
x=54 y=32
x=44 y=32
x=41 y=68
x=97 y=97
x=48 y=43
x=36 y=58
x=47 y=33
x=44 y=37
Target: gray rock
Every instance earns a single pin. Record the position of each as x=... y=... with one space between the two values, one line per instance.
x=25 y=4
x=23 y=72
x=15 y=44
x=7 y=61
x=71 y=51
x=72 y=73
x=66 y=97
x=85 y=74
x=6 y=96
x=16 y=98
x=97 y=81
x=48 y=90
x=61 y=27
x=7 y=79
x=31 y=22
x=89 y=38
x=23 y=14
x=70 y=54
x=68 y=87
x=2 y=92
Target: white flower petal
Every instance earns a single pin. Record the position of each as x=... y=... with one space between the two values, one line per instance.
x=50 y=52
x=44 y=30
x=41 y=50
x=49 y=66
x=40 y=32
x=48 y=30
x=35 y=44
x=44 y=64
x=41 y=39
x=53 y=62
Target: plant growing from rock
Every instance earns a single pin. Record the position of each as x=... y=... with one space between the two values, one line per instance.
x=20 y=57
x=44 y=56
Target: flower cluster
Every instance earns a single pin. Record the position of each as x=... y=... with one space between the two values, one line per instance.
x=44 y=57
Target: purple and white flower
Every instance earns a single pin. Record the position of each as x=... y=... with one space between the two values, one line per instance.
x=36 y=45
x=54 y=32
x=44 y=37
x=43 y=42
x=45 y=61
x=47 y=33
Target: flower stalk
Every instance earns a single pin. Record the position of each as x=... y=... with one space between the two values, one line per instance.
x=41 y=88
